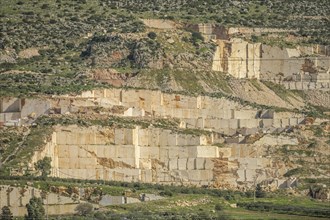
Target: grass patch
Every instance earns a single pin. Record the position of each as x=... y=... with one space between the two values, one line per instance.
x=34 y=141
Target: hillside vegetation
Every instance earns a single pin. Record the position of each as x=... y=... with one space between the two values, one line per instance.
x=63 y=40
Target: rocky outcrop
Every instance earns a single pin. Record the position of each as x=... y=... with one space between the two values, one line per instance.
x=17 y=198
x=155 y=156
x=160 y=24
x=300 y=68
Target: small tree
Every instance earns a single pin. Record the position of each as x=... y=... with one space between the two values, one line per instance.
x=259 y=192
x=196 y=37
x=35 y=209
x=44 y=166
x=84 y=209
x=152 y=35
x=6 y=214
x=218 y=207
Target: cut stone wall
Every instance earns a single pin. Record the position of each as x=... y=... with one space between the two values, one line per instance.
x=17 y=198
x=161 y=104
x=155 y=155
x=14 y=109
x=160 y=24
x=288 y=66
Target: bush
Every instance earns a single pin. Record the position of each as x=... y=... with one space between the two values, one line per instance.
x=152 y=35
x=218 y=207
x=44 y=166
x=84 y=209
x=166 y=193
x=6 y=214
x=285 y=209
x=35 y=209
x=259 y=192
x=196 y=36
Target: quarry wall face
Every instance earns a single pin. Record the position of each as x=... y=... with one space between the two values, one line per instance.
x=16 y=199
x=242 y=59
x=154 y=155
x=203 y=112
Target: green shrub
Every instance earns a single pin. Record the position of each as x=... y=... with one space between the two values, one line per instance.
x=260 y=193
x=218 y=207
x=84 y=209
x=152 y=35
x=196 y=37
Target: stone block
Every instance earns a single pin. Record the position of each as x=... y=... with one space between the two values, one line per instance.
x=301 y=120
x=181 y=140
x=207 y=151
x=233 y=123
x=191 y=164
x=164 y=137
x=277 y=123
x=247 y=131
x=145 y=152
x=35 y=106
x=10 y=105
x=64 y=162
x=146 y=176
x=143 y=135
x=200 y=163
x=266 y=123
x=126 y=161
x=145 y=164
x=9 y=116
x=241 y=175
x=164 y=152
x=183 y=152
x=125 y=151
x=192 y=151
x=250 y=175
x=293 y=121
x=299 y=85
x=192 y=140
x=173 y=152
x=83 y=152
x=63 y=151
x=200 y=175
x=154 y=138
x=244 y=114
x=248 y=163
x=225 y=152
x=182 y=163
x=119 y=136
x=173 y=164
x=284 y=122
x=61 y=138
x=206 y=175
x=248 y=123
x=312 y=85
x=224 y=123
x=154 y=152
x=208 y=164
x=84 y=163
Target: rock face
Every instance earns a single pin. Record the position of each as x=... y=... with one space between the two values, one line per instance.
x=299 y=68
x=239 y=58
x=283 y=65
x=236 y=150
x=146 y=155
x=17 y=198
x=160 y=24
x=13 y=111
x=60 y=200
x=157 y=156
x=28 y=53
